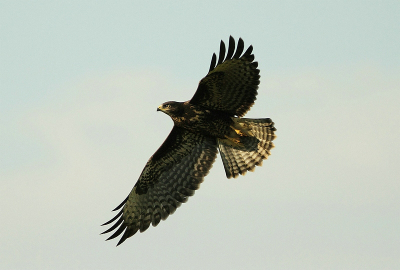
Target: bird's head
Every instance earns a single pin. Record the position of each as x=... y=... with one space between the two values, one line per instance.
x=172 y=108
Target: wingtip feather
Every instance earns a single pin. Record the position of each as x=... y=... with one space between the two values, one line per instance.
x=213 y=62
x=239 y=48
x=121 y=204
x=113 y=219
x=118 y=232
x=231 y=48
x=221 y=53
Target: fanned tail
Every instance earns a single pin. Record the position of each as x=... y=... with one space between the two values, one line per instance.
x=252 y=146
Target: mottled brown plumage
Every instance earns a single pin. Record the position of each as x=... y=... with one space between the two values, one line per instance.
x=209 y=121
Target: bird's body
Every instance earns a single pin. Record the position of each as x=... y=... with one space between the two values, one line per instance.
x=211 y=120
x=198 y=119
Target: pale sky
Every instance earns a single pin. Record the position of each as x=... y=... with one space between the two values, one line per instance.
x=80 y=83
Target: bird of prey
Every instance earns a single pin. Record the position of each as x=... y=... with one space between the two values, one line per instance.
x=211 y=120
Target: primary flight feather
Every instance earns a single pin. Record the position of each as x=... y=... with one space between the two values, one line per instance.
x=211 y=120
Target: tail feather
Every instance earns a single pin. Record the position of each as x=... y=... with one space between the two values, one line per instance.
x=256 y=136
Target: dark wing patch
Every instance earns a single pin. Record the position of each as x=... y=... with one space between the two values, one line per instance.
x=170 y=176
x=231 y=84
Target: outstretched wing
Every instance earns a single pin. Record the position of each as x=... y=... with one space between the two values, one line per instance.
x=170 y=176
x=232 y=85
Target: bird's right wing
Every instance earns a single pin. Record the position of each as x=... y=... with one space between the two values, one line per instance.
x=170 y=176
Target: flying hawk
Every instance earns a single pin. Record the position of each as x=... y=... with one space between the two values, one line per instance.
x=211 y=120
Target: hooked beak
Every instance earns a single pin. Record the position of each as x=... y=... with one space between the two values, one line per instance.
x=159 y=108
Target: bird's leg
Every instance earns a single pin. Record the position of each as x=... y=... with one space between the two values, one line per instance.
x=242 y=129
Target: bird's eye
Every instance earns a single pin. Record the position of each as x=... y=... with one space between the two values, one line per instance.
x=167 y=106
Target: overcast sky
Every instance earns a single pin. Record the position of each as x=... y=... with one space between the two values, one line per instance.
x=80 y=83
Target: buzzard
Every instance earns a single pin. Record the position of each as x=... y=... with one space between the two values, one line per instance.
x=211 y=120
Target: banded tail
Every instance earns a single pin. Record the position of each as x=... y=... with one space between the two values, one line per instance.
x=248 y=145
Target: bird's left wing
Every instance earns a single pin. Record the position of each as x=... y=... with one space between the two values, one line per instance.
x=231 y=83
x=170 y=176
